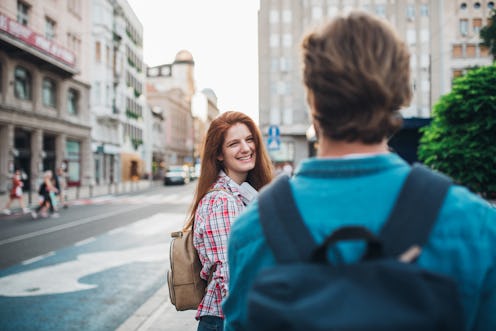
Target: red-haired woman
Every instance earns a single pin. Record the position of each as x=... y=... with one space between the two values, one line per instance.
x=234 y=166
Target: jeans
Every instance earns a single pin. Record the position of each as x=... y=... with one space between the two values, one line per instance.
x=210 y=323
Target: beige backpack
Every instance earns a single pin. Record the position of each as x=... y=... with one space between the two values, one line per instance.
x=186 y=287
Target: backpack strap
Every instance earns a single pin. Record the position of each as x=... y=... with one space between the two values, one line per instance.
x=415 y=211
x=282 y=225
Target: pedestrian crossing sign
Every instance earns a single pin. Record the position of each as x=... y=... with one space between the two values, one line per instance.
x=273 y=143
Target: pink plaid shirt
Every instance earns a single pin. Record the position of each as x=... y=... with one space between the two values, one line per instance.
x=216 y=211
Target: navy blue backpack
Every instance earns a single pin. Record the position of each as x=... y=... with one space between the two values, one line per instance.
x=306 y=292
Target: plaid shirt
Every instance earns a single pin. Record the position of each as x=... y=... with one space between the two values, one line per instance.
x=213 y=218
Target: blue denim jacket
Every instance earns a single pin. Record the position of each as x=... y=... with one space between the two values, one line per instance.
x=331 y=193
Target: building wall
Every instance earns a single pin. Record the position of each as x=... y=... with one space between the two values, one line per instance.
x=36 y=136
x=130 y=94
x=431 y=28
x=171 y=87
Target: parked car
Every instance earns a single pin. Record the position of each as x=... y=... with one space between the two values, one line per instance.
x=177 y=174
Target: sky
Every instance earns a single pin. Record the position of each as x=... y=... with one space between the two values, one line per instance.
x=222 y=36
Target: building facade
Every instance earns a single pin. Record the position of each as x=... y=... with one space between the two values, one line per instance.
x=130 y=96
x=170 y=87
x=443 y=37
x=44 y=91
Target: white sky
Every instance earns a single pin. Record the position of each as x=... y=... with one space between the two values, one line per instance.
x=222 y=36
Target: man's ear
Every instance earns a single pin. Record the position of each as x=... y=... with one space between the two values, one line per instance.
x=310 y=100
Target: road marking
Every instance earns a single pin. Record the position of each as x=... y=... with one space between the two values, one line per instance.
x=38 y=258
x=68 y=225
x=84 y=242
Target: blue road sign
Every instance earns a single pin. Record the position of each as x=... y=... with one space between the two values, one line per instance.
x=274 y=131
x=273 y=143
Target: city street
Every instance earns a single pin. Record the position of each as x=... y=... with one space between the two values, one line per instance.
x=100 y=266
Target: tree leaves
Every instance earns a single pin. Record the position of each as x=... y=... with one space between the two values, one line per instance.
x=461 y=139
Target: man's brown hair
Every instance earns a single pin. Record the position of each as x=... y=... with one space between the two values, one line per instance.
x=358 y=73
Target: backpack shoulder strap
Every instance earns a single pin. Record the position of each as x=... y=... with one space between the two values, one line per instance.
x=415 y=211
x=282 y=225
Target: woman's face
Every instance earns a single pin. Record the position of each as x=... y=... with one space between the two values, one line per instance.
x=238 y=152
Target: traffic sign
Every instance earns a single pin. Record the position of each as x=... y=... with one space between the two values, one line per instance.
x=273 y=143
x=274 y=131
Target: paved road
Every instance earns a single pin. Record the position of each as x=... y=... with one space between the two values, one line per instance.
x=98 y=267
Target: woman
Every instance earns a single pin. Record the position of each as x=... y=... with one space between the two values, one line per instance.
x=234 y=166
x=46 y=193
x=16 y=193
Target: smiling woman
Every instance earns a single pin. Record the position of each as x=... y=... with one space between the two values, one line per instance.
x=234 y=166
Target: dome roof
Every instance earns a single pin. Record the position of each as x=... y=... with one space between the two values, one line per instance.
x=184 y=56
x=210 y=94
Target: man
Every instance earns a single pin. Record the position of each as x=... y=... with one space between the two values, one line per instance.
x=357 y=77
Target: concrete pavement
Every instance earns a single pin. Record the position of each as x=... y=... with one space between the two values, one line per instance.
x=83 y=192
x=158 y=314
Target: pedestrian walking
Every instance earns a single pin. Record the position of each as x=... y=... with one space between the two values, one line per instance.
x=16 y=193
x=46 y=194
x=61 y=185
x=356 y=73
x=234 y=166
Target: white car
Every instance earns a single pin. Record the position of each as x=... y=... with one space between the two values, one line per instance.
x=177 y=175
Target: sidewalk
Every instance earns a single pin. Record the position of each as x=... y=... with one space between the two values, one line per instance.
x=158 y=314
x=83 y=192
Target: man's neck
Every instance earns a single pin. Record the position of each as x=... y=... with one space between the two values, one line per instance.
x=332 y=148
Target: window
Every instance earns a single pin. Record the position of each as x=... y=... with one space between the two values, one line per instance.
x=286 y=16
x=457 y=73
x=490 y=4
x=98 y=52
x=274 y=16
x=22 y=13
x=317 y=13
x=22 y=84
x=72 y=101
x=477 y=5
x=411 y=36
x=410 y=12
x=73 y=153
x=380 y=10
x=463 y=6
x=274 y=40
x=97 y=93
x=275 y=115
x=49 y=92
x=108 y=54
x=287 y=40
x=49 y=28
x=464 y=26
x=470 y=50
x=457 y=51
x=484 y=51
x=332 y=11
x=476 y=25
x=424 y=10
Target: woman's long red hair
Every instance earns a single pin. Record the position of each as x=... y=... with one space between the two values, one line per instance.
x=259 y=176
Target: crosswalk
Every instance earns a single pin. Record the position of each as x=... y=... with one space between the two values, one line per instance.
x=174 y=198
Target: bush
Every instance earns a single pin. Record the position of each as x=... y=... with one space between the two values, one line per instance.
x=461 y=139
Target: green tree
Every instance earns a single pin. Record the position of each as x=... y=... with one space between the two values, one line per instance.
x=461 y=138
x=488 y=34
